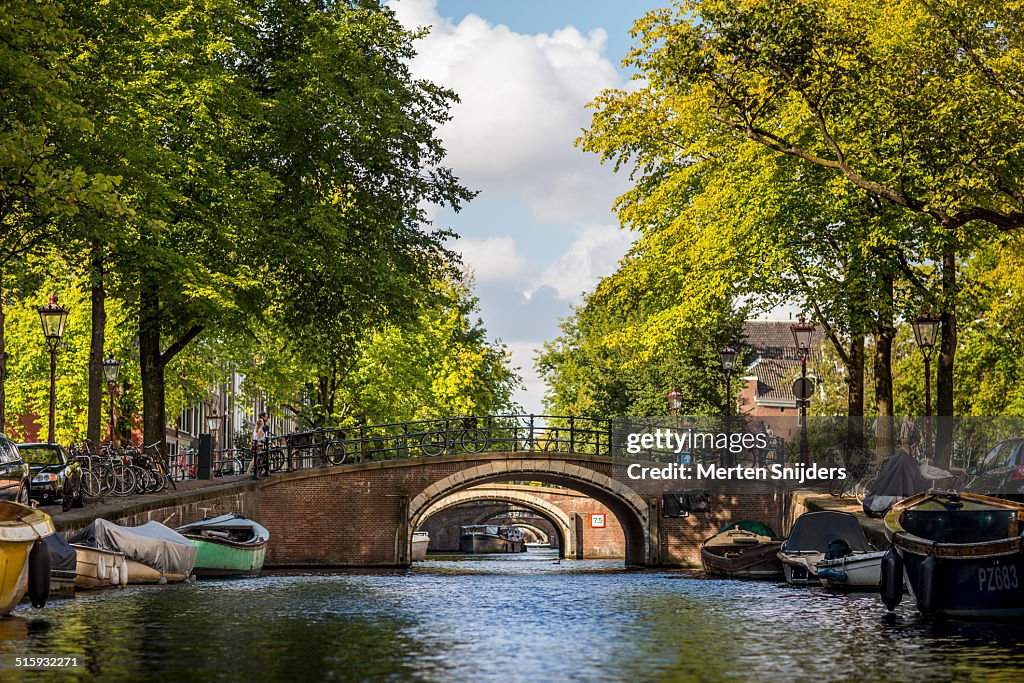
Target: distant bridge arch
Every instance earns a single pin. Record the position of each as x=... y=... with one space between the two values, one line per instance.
x=563 y=525
x=632 y=511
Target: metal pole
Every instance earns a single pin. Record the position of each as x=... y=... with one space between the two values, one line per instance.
x=53 y=389
x=803 y=411
x=728 y=418
x=927 y=406
x=110 y=388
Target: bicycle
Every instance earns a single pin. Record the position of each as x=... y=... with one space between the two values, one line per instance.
x=181 y=469
x=443 y=439
x=159 y=466
x=226 y=463
x=860 y=474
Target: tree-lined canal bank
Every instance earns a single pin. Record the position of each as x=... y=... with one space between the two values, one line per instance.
x=508 y=618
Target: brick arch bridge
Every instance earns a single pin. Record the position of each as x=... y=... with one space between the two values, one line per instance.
x=561 y=522
x=364 y=514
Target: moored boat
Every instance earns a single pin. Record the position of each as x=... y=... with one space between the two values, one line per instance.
x=229 y=545
x=420 y=542
x=817 y=534
x=152 y=552
x=962 y=554
x=24 y=557
x=743 y=551
x=481 y=539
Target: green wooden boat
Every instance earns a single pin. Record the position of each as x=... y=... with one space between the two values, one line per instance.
x=229 y=545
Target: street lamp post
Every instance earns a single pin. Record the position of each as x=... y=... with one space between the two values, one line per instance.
x=111 y=370
x=926 y=329
x=675 y=404
x=53 y=316
x=728 y=356
x=802 y=333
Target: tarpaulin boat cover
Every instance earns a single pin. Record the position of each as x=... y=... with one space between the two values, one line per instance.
x=62 y=556
x=814 y=531
x=899 y=477
x=152 y=544
x=759 y=528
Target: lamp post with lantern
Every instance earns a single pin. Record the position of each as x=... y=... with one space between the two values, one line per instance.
x=675 y=404
x=111 y=371
x=728 y=356
x=53 y=316
x=802 y=333
x=926 y=330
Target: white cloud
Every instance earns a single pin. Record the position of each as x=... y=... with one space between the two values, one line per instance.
x=594 y=254
x=531 y=396
x=493 y=259
x=523 y=101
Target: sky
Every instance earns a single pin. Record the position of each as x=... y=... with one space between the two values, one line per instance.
x=542 y=230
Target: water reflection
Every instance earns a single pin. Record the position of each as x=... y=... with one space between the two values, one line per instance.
x=507 y=618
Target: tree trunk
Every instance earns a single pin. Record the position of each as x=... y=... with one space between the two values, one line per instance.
x=3 y=367
x=947 y=350
x=884 y=334
x=855 y=393
x=154 y=419
x=99 y=324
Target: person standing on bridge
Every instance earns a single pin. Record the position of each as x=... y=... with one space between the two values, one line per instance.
x=260 y=436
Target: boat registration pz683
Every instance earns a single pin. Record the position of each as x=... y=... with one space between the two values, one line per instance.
x=1000 y=578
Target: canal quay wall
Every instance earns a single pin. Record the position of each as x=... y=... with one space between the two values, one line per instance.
x=358 y=515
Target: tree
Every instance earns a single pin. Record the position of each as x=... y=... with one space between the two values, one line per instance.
x=861 y=90
x=351 y=141
x=41 y=185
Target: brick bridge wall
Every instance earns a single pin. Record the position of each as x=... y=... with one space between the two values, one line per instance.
x=358 y=515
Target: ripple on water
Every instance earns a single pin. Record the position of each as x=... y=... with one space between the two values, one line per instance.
x=504 y=618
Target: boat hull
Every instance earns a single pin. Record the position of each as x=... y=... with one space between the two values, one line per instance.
x=968 y=587
x=139 y=573
x=419 y=549
x=97 y=568
x=222 y=559
x=861 y=571
x=800 y=570
x=486 y=544
x=20 y=528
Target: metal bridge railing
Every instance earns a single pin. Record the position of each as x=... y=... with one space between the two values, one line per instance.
x=442 y=436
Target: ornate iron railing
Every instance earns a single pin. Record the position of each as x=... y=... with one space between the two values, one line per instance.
x=441 y=436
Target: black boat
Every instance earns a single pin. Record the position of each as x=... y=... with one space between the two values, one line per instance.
x=962 y=553
x=489 y=538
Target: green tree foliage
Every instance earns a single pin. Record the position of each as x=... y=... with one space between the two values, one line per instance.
x=586 y=374
x=261 y=173
x=438 y=364
x=915 y=105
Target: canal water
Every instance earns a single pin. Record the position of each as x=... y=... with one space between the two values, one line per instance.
x=501 y=618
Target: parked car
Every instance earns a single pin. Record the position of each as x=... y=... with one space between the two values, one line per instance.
x=56 y=476
x=1001 y=472
x=15 y=477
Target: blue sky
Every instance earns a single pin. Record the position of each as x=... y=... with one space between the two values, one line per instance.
x=541 y=230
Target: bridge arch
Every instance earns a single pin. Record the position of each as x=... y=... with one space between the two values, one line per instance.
x=563 y=525
x=632 y=511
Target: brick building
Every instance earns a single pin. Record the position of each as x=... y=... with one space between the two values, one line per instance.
x=773 y=362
